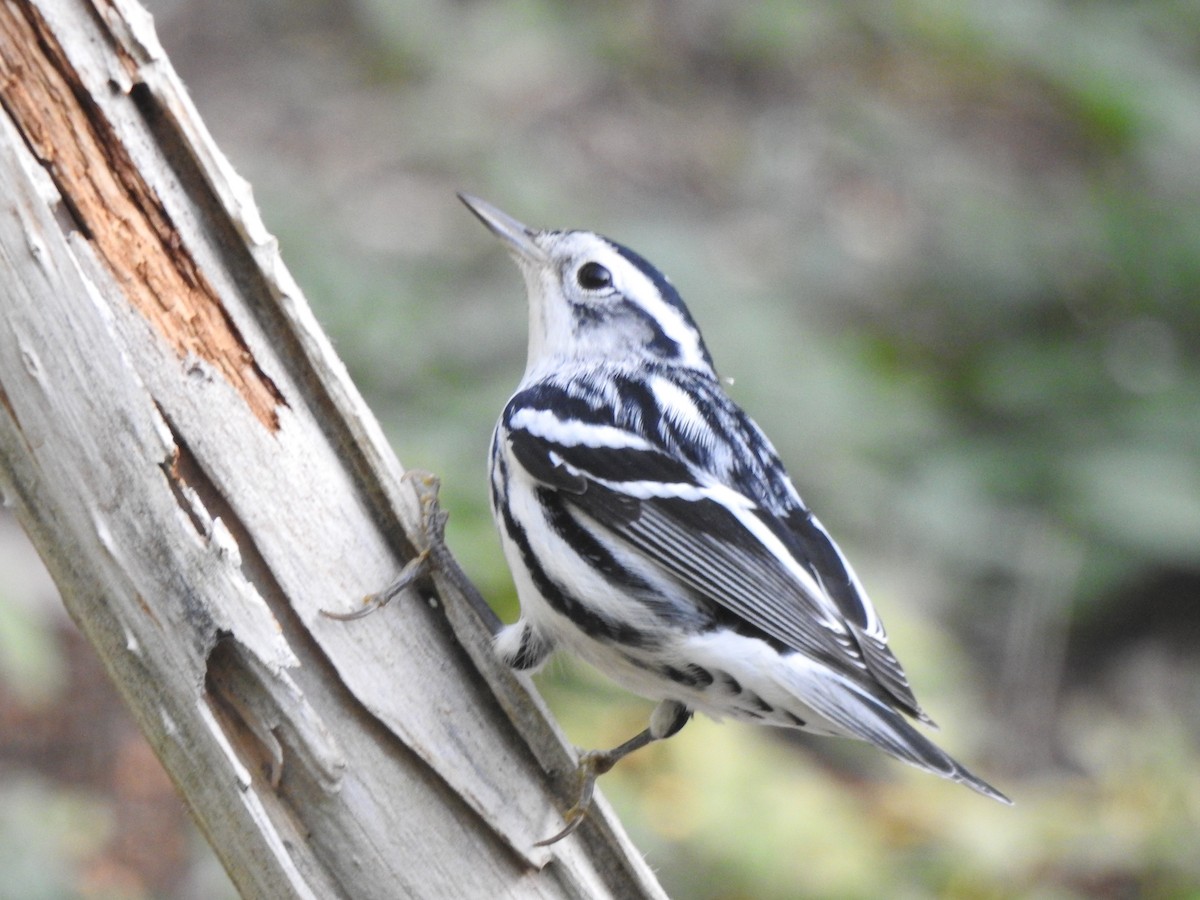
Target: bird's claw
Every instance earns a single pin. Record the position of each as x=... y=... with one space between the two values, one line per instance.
x=433 y=517
x=592 y=765
x=432 y=534
x=414 y=570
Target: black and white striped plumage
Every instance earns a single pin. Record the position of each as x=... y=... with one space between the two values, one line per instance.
x=652 y=530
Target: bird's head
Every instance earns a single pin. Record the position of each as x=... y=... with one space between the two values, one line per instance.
x=591 y=299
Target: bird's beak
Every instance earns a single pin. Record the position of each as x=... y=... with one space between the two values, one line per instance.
x=520 y=238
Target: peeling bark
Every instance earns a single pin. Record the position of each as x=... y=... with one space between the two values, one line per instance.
x=202 y=479
x=116 y=210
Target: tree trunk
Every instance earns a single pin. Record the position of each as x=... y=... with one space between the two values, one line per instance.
x=202 y=480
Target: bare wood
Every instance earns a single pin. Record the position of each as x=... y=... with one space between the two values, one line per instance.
x=202 y=479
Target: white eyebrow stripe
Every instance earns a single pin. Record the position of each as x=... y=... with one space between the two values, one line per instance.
x=642 y=290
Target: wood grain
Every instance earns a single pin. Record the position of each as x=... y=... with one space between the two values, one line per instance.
x=203 y=479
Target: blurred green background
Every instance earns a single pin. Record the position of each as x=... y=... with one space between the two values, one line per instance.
x=948 y=252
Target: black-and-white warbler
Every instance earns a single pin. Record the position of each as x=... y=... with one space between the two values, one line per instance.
x=653 y=532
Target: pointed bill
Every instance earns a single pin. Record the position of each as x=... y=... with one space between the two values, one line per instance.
x=518 y=237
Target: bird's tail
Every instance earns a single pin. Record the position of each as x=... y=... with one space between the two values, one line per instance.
x=855 y=712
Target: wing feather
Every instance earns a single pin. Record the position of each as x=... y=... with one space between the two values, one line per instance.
x=756 y=554
x=810 y=541
x=696 y=539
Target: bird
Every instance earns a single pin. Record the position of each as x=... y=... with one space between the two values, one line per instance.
x=653 y=532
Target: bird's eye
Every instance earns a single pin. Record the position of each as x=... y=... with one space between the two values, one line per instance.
x=593 y=277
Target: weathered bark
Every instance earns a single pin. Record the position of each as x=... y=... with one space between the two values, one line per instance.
x=202 y=479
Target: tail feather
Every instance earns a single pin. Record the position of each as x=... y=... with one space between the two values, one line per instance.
x=906 y=743
x=859 y=714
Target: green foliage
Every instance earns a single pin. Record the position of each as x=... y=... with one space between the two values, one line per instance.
x=949 y=253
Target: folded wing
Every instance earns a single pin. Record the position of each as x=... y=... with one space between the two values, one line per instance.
x=781 y=575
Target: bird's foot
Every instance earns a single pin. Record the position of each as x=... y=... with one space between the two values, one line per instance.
x=592 y=765
x=431 y=533
x=414 y=570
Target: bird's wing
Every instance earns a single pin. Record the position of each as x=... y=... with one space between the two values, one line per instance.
x=808 y=540
x=781 y=575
